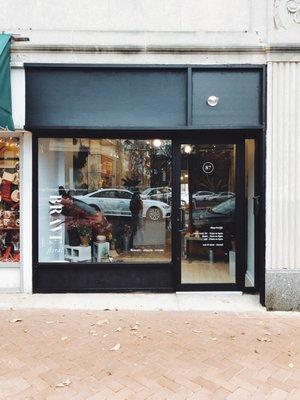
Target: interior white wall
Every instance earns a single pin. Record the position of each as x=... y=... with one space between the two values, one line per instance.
x=51 y=174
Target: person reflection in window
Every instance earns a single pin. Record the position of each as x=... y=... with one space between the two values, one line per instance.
x=136 y=208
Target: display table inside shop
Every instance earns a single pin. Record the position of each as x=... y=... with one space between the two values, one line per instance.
x=78 y=253
x=210 y=245
x=101 y=251
x=187 y=248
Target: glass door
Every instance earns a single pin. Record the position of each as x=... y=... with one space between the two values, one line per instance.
x=210 y=215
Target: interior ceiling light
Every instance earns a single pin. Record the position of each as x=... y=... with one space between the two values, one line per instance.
x=187 y=148
x=156 y=142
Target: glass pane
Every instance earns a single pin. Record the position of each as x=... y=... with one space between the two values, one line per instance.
x=250 y=211
x=9 y=201
x=208 y=180
x=96 y=202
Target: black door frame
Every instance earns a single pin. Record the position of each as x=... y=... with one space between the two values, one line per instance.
x=222 y=136
x=240 y=214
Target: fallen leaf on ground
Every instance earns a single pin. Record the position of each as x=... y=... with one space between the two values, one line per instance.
x=134 y=328
x=64 y=383
x=116 y=347
x=102 y=322
x=13 y=321
x=264 y=339
x=261 y=323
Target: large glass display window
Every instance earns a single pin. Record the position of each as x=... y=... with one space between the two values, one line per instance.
x=104 y=200
x=9 y=201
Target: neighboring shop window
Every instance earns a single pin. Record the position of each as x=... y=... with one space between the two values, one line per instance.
x=9 y=201
x=104 y=200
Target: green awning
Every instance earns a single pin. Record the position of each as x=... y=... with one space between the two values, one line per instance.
x=6 y=120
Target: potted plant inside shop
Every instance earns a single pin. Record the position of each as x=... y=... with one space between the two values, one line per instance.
x=85 y=234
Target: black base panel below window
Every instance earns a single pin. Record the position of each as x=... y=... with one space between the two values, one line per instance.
x=111 y=279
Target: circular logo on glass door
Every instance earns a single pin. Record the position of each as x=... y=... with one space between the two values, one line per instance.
x=208 y=167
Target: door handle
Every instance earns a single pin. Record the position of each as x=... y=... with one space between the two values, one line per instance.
x=256 y=205
x=181 y=220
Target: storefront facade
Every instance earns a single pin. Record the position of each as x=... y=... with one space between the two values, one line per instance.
x=130 y=205
x=159 y=168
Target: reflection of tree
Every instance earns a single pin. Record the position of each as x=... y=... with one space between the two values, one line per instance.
x=130 y=182
x=143 y=157
x=222 y=178
x=209 y=183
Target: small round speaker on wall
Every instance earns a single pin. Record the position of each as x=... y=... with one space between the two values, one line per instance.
x=212 y=101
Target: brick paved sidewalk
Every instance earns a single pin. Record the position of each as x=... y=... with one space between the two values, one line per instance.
x=156 y=355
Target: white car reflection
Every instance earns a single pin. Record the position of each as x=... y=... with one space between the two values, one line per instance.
x=202 y=195
x=164 y=193
x=115 y=202
x=222 y=196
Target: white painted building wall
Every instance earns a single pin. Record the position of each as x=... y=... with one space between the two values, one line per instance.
x=183 y=32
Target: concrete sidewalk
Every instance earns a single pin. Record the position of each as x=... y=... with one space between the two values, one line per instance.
x=198 y=301
x=135 y=355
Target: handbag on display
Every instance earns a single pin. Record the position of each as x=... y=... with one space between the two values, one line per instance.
x=7 y=176
x=6 y=190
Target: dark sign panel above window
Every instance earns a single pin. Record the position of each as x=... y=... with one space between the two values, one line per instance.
x=89 y=97
x=143 y=97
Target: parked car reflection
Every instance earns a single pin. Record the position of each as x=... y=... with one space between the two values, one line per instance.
x=116 y=202
x=222 y=196
x=164 y=194
x=222 y=214
x=203 y=195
